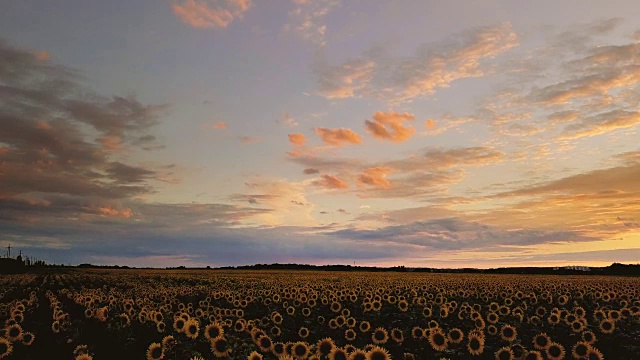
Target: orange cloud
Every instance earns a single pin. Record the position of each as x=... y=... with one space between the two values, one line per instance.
x=111 y=142
x=330 y=182
x=388 y=126
x=601 y=123
x=109 y=211
x=430 y=124
x=338 y=137
x=210 y=13
x=297 y=139
x=218 y=125
x=346 y=80
x=43 y=56
x=375 y=176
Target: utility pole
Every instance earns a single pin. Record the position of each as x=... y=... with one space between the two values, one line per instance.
x=9 y=251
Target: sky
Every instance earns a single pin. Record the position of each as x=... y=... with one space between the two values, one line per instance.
x=232 y=132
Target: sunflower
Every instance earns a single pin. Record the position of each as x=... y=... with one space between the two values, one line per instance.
x=154 y=352
x=438 y=340
x=264 y=343
x=504 y=353
x=278 y=349
x=403 y=305
x=192 y=329
x=427 y=312
x=84 y=357
x=179 y=325
x=455 y=336
x=350 y=334
x=213 y=330
x=300 y=350
x=161 y=327
x=533 y=355
x=338 y=354
x=303 y=332
x=607 y=326
x=541 y=341
x=28 y=338
x=254 y=356
x=589 y=337
x=168 y=343
x=358 y=355
x=5 y=348
x=275 y=331
x=276 y=318
x=14 y=332
x=220 y=347
x=594 y=354
x=580 y=349
x=365 y=326
x=397 y=335
x=325 y=346
x=555 y=351
x=417 y=332
x=475 y=343
x=492 y=330
x=380 y=336
x=508 y=333
x=378 y=353
x=80 y=349
x=239 y=325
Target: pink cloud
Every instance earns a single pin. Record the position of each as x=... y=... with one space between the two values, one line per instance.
x=338 y=137
x=210 y=13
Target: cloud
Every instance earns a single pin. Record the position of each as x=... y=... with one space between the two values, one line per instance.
x=218 y=125
x=330 y=182
x=311 y=171
x=58 y=140
x=389 y=126
x=401 y=80
x=346 y=80
x=43 y=55
x=297 y=139
x=437 y=159
x=430 y=172
x=601 y=124
x=287 y=120
x=338 y=137
x=458 y=234
x=375 y=176
x=206 y=14
x=250 y=139
x=307 y=20
x=282 y=199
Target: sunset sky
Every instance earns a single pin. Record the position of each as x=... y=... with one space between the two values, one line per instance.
x=233 y=132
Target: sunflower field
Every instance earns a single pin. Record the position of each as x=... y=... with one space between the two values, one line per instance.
x=211 y=314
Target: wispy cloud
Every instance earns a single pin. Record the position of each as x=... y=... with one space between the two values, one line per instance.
x=399 y=80
x=307 y=19
x=206 y=14
x=330 y=182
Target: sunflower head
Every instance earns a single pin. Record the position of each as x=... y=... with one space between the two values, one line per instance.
x=324 y=347
x=555 y=351
x=438 y=340
x=378 y=353
x=338 y=354
x=380 y=336
x=300 y=350
x=504 y=353
x=154 y=352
